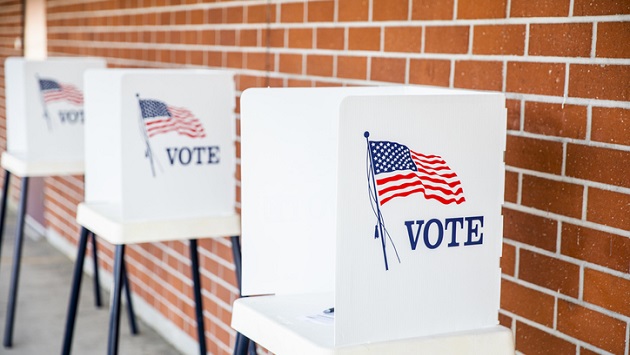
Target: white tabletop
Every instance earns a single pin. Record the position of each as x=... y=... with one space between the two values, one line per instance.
x=104 y=219
x=281 y=324
x=21 y=165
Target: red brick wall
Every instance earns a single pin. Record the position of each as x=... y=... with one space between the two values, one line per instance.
x=564 y=66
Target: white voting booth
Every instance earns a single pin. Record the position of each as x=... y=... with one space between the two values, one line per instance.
x=45 y=115
x=160 y=147
x=159 y=165
x=44 y=106
x=384 y=203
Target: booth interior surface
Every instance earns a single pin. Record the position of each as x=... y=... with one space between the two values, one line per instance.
x=321 y=216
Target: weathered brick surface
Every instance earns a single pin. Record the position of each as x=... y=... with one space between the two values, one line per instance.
x=595 y=328
x=605 y=249
x=530 y=340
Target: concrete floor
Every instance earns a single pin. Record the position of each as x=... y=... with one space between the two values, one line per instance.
x=44 y=289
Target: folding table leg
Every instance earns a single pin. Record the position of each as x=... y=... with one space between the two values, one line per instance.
x=194 y=261
x=15 y=273
x=243 y=345
x=131 y=315
x=73 y=304
x=114 y=315
x=3 y=212
x=97 y=283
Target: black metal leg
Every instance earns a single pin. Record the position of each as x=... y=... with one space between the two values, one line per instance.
x=243 y=345
x=194 y=264
x=15 y=273
x=3 y=212
x=114 y=313
x=252 y=347
x=131 y=315
x=73 y=304
x=97 y=283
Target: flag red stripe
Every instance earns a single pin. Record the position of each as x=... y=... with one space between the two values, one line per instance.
x=181 y=121
x=421 y=183
x=426 y=195
x=415 y=175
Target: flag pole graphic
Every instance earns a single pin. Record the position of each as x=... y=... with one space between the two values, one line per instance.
x=145 y=135
x=379 y=227
x=41 y=97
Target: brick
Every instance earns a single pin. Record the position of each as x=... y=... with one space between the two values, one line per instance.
x=248 y=38
x=351 y=67
x=534 y=268
x=292 y=12
x=610 y=125
x=480 y=9
x=505 y=320
x=330 y=38
x=612 y=40
x=499 y=39
x=530 y=340
x=535 y=78
x=513 y=114
x=598 y=164
x=227 y=38
x=434 y=72
x=353 y=10
x=234 y=14
x=446 y=39
x=562 y=40
x=212 y=16
x=531 y=304
x=261 y=13
x=591 y=327
x=609 y=208
x=585 y=351
x=597 y=247
x=532 y=230
x=291 y=63
x=403 y=39
x=552 y=196
x=539 y=8
x=259 y=61
x=508 y=260
x=320 y=11
x=431 y=10
x=300 y=38
x=388 y=69
x=364 y=38
x=534 y=154
x=390 y=10
x=606 y=82
x=555 y=119
x=234 y=60
x=196 y=18
x=511 y=186
x=293 y=83
x=478 y=75
x=608 y=291
x=273 y=38
x=320 y=65
x=600 y=7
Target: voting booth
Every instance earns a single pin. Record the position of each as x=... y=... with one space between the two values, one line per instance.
x=45 y=118
x=371 y=219
x=45 y=115
x=160 y=135
x=159 y=165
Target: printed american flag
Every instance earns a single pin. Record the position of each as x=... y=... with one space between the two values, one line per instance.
x=400 y=172
x=161 y=118
x=55 y=91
